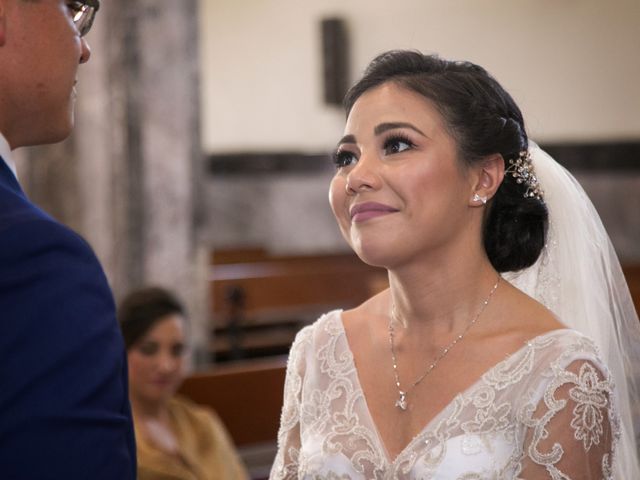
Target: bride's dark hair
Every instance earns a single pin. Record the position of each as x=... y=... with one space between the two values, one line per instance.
x=483 y=119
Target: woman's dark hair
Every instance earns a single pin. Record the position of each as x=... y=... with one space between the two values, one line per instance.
x=483 y=119
x=141 y=309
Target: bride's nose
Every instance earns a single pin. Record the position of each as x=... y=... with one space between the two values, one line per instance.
x=364 y=175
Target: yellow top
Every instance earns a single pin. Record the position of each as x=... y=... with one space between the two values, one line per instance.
x=205 y=449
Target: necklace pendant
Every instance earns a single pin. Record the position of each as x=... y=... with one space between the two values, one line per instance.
x=401 y=403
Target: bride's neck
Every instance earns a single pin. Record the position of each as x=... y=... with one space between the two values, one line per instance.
x=442 y=297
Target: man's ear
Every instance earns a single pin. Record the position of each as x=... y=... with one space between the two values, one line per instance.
x=489 y=173
x=3 y=22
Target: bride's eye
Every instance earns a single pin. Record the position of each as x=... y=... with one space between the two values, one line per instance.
x=344 y=158
x=397 y=144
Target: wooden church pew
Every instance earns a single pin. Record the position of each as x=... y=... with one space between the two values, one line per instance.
x=247 y=397
x=260 y=301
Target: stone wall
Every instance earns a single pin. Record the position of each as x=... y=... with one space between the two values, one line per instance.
x=288 y=212
x=129 y=177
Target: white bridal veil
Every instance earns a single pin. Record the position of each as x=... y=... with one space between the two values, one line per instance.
x=579 y=278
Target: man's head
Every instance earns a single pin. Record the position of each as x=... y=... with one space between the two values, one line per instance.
x=41 y=47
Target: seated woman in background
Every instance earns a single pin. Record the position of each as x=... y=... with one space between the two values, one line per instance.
x=176 y=439
x=499 y=350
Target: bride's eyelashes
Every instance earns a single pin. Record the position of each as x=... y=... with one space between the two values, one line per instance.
x=343 y=158
x=397 y=143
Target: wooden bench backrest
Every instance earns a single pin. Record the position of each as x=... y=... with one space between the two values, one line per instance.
x=247 y=398
x=632 y=274
x=274 y=285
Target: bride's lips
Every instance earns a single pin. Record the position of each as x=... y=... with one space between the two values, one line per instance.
x=367 y=210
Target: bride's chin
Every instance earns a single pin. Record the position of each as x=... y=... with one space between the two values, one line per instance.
x=376 y=257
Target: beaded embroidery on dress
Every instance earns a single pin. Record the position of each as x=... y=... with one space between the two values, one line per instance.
x=543 y=412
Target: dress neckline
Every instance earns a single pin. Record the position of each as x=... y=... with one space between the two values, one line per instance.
x=382 y=446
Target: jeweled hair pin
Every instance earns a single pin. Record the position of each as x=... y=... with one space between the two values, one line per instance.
x=522 y=170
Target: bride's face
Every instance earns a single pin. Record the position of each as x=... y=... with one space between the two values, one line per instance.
x=399 y=190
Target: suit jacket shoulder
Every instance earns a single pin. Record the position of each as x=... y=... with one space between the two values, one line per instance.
x=64 y=395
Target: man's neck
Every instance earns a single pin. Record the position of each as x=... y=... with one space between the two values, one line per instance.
x=5 y=154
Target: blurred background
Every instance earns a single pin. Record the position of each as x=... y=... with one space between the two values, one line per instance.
x=200 y=156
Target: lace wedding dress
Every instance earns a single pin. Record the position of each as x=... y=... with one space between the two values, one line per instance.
x=544 y=412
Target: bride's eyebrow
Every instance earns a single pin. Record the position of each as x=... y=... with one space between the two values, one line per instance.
x=347 y=139
x=383 y=127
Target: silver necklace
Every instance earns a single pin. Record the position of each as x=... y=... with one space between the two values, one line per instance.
x=401 y=403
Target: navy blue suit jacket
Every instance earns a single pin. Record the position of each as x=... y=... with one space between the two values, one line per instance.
x=64 y=408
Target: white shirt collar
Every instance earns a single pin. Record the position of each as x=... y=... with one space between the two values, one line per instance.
x=5 y=153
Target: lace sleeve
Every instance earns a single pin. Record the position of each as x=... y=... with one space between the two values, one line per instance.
x=571 y=433
x=286 y=462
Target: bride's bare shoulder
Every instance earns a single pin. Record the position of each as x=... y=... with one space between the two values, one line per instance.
x=376 y=306
x=525 y=315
